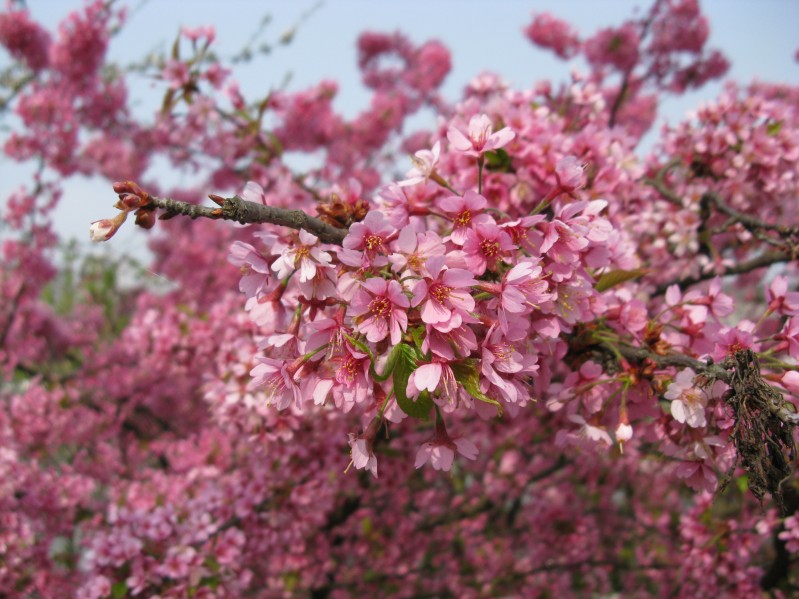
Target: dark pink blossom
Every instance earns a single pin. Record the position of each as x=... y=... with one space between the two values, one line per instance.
x=485 y=245
x=444 y=296
x=465 y=211
x=549 y=32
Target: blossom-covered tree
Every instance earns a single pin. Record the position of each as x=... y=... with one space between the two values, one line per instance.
x=542 y=363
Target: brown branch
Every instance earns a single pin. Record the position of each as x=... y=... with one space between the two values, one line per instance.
x=659 y=183
x=246 y=212
x=761 y=261
x=750 y=223
x=723 y=371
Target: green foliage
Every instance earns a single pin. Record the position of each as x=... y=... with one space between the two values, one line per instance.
x=406 y=363
x=617 y=277
x=498 y=161
x=467 y=376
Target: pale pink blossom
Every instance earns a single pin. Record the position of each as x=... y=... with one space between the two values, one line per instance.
x=432 y=376
x=363 y=458
x=440 y=453
x=278 y=379
x=624 y=432
x=424 y=165
x=413 y=249
x=305 y=256
x=370 y=236
x=479 y=138
x=105 y=229
x=780 y=299
x=687 y=401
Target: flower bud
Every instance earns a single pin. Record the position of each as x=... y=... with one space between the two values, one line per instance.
x=145 y=218
x=128 y=201
x=103 y=230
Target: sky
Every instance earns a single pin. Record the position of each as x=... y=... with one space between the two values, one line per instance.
x=759 y=37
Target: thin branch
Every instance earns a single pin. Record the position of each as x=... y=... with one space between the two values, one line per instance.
x=761 y=261
x=751 y=223
x=659 y=183
x=721 y=372
x=246 y=212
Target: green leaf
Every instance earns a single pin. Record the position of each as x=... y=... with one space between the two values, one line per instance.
x=742 y=482
x=417 y=333
x=773 y=128
x=392 y=361
x=119 y=590
x=405 y=364
x=467 y=376
x=358 y=344
x=498 y=161
x=617 y=277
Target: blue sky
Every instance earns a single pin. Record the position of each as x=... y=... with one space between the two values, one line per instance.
x=760 y=38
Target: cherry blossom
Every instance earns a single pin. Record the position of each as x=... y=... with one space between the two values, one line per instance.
x=687 y=402
x=480 y=137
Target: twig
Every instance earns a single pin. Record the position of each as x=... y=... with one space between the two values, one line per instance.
x=723 y=371
x=246 y=212
x=660 y=185
x=761 y=261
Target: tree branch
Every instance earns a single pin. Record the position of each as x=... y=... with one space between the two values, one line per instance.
x=761 y=261
x=246 y=212
x=721 y=372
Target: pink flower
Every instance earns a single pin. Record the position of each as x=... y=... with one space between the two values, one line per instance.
x=466 y=211
x=380 y=309
x=362 y=455
x=480 y=138
x=105 y=229
x=352 y=382
x=614 y=47
x=429 y=377
x=589 y=432
x=687 y=401
x=176 y=72
x=424 y=165
x=413 y=249
x=552 y=33
x=370 y=236
x=445 y=295
x=523 y=290
x=789 y=337
x=781 y=300
x=278 y=378
x=570 y=173
x=732 y=340
x=305 y=256
x=441 y=453
x=485 y=245
x=698 y=475
x=624 y=432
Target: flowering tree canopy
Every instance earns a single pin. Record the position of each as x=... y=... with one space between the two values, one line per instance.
x=540 y=363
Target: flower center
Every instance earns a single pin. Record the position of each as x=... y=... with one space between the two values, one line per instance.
x=380 y=307
x=489 y=248
x=373 y=242
x=440 y=292
x=464 y=218
x=347 y=371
